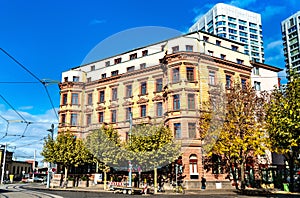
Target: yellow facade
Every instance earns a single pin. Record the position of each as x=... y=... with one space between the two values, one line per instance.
x=186 y=76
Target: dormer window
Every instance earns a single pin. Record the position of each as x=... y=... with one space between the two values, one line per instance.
x=132 y=56
x=117 y=60
x=75 y=78
x=145 y=53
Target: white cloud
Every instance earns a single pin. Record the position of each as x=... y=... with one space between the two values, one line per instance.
x=25 y=138
x=97 y=21
x=241 y=4
x=201 y=11
x=270 y=11
x=26 y=107
x=274 y=45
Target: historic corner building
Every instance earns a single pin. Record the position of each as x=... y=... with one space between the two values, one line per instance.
x=165 y=82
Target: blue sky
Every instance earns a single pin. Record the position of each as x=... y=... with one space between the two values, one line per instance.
x=49 y=37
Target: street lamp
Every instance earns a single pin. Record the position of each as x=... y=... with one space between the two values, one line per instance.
x=3 y=164
x=49 y=164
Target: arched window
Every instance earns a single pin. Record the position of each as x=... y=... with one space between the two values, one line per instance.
x=194 y=167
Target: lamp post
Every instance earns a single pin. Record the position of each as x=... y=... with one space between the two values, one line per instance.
x=3 y=164
x=129 y=163
x=49 y=164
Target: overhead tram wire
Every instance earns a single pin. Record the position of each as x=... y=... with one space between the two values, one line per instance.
x=44 y=83
x=13 y=108
x=6 y=131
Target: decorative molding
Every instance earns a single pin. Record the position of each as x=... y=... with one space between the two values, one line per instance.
x=113 y=105
x=212 y=68
x=88 y=110
x=127 y=103
x=143 y=79
x=157 y=98
x=229 y=72
x=100 y=108
x=128 y=82
x=142 y=101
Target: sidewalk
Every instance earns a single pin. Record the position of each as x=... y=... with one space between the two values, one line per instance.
x=250 y=192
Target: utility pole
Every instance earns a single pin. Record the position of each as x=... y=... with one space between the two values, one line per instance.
x=33 y=166
x=129 y=136
x=3 y=164
x=49 y=164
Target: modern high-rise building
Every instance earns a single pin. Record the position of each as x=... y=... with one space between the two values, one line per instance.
x=290 y=29
x=235 y=24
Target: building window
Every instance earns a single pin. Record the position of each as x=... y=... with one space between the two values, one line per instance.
x=143 y=88
x=223 y=56
x=228 y=81
x=145 y=53
x=212 y=78
x=73 y=119
x=114 y=116
x=88 y=119
x=128 y=91
x=211 y=53
x=75 y=99
x=205 y=38
x=103 y=75
x=256 y=70
x=234 y=48
x=143 y=110
x=159 y=109
x=93 y=68
x=175 y=49
x=63 y=119
x=176 y=76
x=159 y=85
x=90 y=99
x=142 y=65
x=114 y=94
x=193 y=167
x=244 y=83
x=64 y=99
x=115 y=73
x=89 y=79
x=231 y=19
x=191 y=101
x=132 y=56
x=101 y=117
x=218 y=43
x=128 y=112
x=75 y=79
x=117 y=60
x=66 y=79
x=130 y=69
x=239 y=61
x=177 y=130
x=189 y=48
x=176 y=102
x=192 y=130
x=102 y=96
x=107 y=63
x=257 y=86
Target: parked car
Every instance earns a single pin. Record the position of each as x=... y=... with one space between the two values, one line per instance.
x=36 y=179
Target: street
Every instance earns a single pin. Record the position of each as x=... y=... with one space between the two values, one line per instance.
x=33 y=190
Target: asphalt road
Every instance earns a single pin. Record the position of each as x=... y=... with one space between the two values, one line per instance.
x=32 y=190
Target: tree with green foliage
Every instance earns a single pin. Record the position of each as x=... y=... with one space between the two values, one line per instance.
x=105 y=145
x=242 y=134
x=66 y=150
x=152 y=146
x=283 y=121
